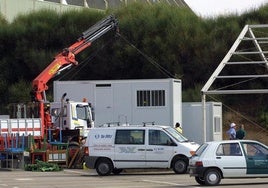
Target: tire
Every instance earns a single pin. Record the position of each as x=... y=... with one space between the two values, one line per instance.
x=104 y=167
x=179 y=165
x=199 y=180
x=212 y=177
x=117 y=171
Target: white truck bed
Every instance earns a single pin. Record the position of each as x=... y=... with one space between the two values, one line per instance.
x=21 y=126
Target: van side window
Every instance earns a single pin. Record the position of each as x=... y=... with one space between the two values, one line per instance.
x=158 y=137
x=129 y=137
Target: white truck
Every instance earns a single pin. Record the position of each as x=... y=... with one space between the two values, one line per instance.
x=72 y=115
x=66 y=115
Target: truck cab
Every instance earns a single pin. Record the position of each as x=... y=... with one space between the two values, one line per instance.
x=72 y=115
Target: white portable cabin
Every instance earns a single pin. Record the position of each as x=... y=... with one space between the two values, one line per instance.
x=192 y=121
x=127 y=101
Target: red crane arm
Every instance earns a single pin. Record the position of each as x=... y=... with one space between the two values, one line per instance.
x=66 y=59
x=67 y=56
x=40 y=82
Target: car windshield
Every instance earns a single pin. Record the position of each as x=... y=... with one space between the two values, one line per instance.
x=201 y=149
x=175 y=134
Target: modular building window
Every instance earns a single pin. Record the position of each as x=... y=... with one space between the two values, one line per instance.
x=150 y=98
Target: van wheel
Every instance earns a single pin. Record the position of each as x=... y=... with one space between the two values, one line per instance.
x=117 y=171
x=179 y=165
x=212 y=177
x=104 y=167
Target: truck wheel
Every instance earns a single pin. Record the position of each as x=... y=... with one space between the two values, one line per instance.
x=117 y=171
x=199 y=180
x=179 y=165
x=104 y=167
x=212 y=177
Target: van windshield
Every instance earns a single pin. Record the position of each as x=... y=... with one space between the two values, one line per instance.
x=175 y=134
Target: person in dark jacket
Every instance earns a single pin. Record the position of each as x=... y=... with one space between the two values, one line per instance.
x=240 y=133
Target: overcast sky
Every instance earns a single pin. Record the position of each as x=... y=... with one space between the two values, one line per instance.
x=213 y=8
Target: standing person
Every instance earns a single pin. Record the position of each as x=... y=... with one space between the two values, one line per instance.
x=47 y=118
x=178 y=127
x=232 y=132
x=241 y=133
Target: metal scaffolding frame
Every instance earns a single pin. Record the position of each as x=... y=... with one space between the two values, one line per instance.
x=249 y=49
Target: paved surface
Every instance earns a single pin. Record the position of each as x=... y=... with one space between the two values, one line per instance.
x=78 y=178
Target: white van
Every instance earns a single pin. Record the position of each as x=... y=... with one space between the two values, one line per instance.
x=112 y=149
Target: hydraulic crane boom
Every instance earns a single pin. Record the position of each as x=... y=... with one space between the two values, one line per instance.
x=66 y=58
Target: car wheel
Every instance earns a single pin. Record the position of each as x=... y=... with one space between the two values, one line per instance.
x=212 y=177
x=200 y=180
x=179 y=166
x=104 y=167
x=117 y=171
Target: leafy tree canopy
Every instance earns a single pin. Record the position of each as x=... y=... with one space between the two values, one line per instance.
x=155 y=41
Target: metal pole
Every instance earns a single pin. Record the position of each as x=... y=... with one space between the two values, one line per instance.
x=204 y=116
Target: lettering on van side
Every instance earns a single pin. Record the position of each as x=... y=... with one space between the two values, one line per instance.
x=127 y=149
x=103 y=136
x=102 y=147
x=158 y=150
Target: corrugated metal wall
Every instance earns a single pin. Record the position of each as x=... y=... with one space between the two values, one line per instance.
x=11 y=8
x=104 y=4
